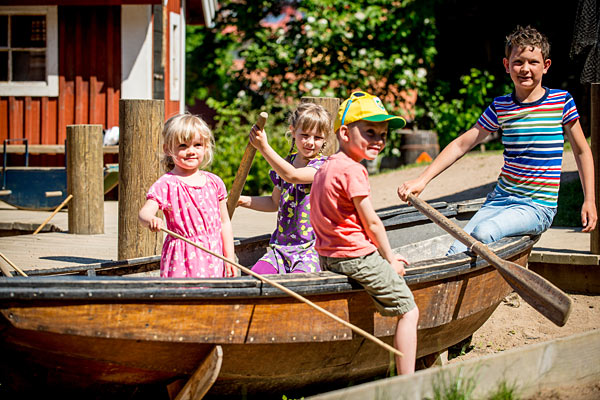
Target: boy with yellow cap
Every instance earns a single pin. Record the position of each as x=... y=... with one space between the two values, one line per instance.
x=350 y=237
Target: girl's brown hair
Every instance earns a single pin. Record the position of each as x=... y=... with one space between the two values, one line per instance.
x=310 y=116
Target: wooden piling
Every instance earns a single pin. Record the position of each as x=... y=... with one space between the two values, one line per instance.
x=331 y=104
x=85 y=179
x=140 y=150
x=595 y=135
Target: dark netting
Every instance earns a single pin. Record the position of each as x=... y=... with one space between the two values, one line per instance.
x=586 y=39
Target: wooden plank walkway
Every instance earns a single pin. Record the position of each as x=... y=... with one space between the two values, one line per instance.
x=54 y=247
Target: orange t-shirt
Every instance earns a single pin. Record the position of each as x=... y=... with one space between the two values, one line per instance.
x=338 y=229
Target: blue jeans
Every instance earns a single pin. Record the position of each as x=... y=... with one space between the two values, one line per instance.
x=506 y=215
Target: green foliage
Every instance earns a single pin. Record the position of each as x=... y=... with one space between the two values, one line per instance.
x=461 y=387
x=243 y=64
x=450 y=116
x=505 y=391
x=326 y=48
x=207 y=75
x=233 y=124
x=458 y=387
x=570 y=199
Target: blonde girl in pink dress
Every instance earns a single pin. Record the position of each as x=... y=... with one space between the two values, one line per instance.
x=193 y=202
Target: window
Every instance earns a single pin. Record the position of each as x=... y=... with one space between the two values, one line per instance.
x=175 y=56
x=28 y=51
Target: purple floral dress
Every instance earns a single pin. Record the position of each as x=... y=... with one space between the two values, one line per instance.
x=292 y=245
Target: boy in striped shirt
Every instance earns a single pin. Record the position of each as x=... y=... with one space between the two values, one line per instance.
x=533 y=120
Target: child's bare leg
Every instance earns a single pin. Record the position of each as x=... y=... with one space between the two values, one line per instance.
x=405 y=340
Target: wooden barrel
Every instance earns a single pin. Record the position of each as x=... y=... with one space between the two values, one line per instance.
x=413 y=146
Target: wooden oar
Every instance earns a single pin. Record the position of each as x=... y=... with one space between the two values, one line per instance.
x=19 y=270
x=242 y=172
x=65 y=201
x=542 y=295
x=295 y=295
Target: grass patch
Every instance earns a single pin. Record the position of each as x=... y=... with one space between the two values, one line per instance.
x=457 y=388
x=505 y=391
x=461 y=387
x=570 y=199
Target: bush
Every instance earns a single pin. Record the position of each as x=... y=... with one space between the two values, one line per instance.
x=451 y=116
x=233 y=123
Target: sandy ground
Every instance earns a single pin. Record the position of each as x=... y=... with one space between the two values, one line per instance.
x=514 y=323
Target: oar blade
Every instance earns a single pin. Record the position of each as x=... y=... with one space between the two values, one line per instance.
x=546 y=298
x=542 y=295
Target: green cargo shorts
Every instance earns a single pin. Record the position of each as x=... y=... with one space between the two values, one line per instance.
x=388 y=290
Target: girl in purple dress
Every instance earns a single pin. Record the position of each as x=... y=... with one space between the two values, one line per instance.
x=292 y=244
x=193 y=201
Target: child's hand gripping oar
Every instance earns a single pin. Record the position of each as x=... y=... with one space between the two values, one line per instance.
x=542 y=295
x=291 y=293
x=242 y=172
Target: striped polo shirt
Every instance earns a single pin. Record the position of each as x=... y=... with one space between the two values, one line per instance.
x=532 y=134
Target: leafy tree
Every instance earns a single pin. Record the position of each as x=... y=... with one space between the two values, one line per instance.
x=450 y=115
x=267 y=54
x=326 y=48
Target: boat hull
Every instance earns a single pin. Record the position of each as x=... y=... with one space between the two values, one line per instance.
x=28 y=187
x=82 y=332
x=43 y=188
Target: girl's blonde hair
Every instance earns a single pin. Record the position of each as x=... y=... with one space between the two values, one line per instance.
x=311 y=116
x=181 y=129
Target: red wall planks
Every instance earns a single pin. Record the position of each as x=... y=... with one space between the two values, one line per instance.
x=89 y=57
x=89 y=80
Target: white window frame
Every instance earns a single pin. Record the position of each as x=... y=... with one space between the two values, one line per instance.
x=49 y=87
x=175 y=56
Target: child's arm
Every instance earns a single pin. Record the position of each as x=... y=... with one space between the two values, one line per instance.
x=376 y=232
x=452 y=152
x=147 y=216
x=585 y=165
x=262 y=203
x=227 y=238
x=284 y=169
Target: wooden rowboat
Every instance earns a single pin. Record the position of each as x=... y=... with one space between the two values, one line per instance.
x=96 y=331
x=43 y=188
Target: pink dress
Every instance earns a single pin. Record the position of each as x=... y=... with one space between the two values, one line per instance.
x=192 y=212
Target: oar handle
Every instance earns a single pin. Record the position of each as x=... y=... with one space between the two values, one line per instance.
x=295 y=295
x=542 y=295
x=244 y=169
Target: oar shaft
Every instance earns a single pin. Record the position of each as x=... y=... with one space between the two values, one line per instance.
x=542 y=295
x=244 y=169
x=19 y=270
x=248 y=271
x=65 y=201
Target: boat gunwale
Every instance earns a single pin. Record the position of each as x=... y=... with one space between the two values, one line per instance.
x=121 y=288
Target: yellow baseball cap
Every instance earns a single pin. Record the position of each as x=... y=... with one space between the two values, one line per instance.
x=362 y=105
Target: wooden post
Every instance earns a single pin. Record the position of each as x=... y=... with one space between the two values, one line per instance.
x=85 y=179
x=595 y=135
x=140 y=150
x=331 y=104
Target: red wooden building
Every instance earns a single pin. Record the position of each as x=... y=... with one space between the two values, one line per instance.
x=66 y=62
